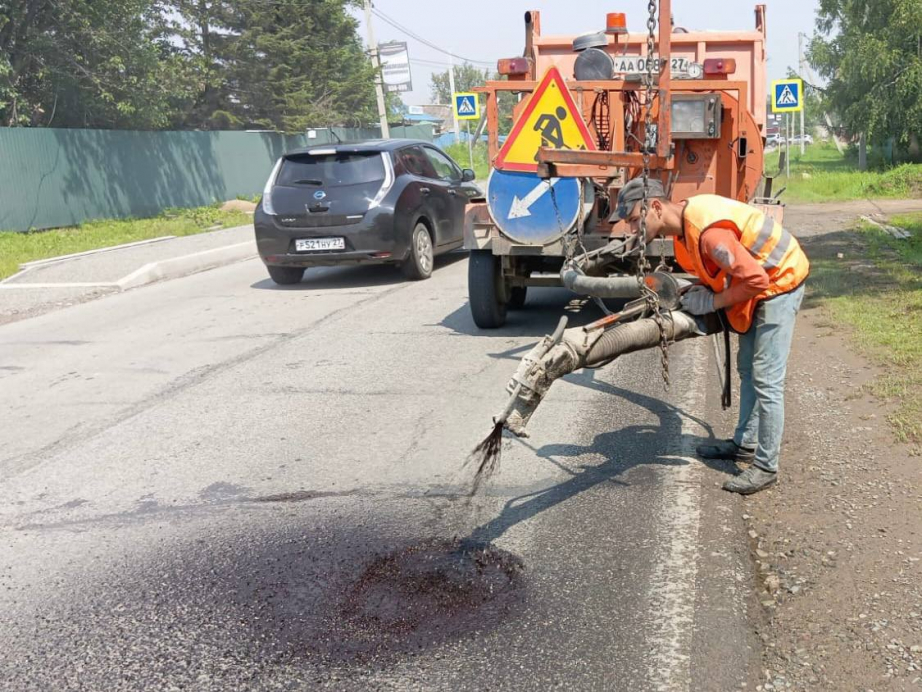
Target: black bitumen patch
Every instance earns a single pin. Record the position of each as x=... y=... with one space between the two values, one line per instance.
x=236 y=612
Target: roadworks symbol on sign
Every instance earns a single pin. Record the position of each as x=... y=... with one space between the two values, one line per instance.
x=550 y=119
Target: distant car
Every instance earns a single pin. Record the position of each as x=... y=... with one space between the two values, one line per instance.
x=807 y=139
x=382 y=201
x=774 y=140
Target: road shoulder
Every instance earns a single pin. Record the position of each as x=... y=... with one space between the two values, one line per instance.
x=837 y=545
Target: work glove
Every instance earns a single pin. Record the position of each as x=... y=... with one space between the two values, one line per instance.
x=698 y=300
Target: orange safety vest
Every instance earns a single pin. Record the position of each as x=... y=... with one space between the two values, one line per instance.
x=768 y=242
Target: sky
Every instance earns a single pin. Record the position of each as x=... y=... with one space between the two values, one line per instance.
x=484 y=30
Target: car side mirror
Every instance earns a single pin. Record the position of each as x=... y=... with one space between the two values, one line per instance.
x=467 y=175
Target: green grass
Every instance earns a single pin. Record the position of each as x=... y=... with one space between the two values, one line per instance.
x=461 y=155
x=822 y=174
x=16 y=248
x=876 y=289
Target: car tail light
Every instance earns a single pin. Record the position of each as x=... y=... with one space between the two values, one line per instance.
x=267 y=191
x=388 y=181
x=718 y=66
x=616 y=23
x=512 y=66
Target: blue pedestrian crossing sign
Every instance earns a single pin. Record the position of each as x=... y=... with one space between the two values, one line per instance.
x=531 y=210
x=787 y=95
x=466 y=106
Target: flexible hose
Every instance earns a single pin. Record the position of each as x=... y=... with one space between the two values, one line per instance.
x=638 y=335
x=569 y=355
x=600 y=286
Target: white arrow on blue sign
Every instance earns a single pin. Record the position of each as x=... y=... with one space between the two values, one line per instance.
x=530 y=210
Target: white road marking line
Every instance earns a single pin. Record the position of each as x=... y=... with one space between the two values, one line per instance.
x=10 y=287
x=672 y=588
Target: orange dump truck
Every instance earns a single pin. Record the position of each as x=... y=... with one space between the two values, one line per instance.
x=580 y=132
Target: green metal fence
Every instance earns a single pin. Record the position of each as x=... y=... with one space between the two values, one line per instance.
x=51 y=178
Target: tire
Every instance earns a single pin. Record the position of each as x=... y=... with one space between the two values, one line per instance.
x=517 y=295
x=419 y=264
x=484 y=289
x=285 y=276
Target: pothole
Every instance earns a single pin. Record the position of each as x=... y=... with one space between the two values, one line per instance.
x=419 y=595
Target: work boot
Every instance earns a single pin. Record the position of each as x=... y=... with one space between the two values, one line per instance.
x=750 y=481
x=726 y=449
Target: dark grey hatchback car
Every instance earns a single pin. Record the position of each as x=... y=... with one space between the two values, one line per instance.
x=383 y=201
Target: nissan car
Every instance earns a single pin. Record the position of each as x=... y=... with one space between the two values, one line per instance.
x=392 y=201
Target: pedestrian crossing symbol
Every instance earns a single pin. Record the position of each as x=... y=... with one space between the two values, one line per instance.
x=787 y=95
x=466 y=106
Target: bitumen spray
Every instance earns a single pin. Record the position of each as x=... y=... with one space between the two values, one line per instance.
x=486 y=457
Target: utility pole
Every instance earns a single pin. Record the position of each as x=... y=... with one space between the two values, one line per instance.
x=803 y=96
x=375 y=60
x=451 y=85
x=787 y=164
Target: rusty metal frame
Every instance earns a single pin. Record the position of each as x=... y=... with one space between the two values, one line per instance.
x=607 y=164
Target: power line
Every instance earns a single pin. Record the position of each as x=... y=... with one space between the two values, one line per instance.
x=394 y=23
x=433 y=63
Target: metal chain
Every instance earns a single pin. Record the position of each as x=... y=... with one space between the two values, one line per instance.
x=649 y=295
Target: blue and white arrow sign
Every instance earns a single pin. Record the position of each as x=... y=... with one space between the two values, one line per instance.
x=530 y=210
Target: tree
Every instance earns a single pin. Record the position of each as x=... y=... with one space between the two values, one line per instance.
x=80 y=63
x=466 y=78
x=870 y=51
x=814 y=105
x=204 y=64
x=284 y=64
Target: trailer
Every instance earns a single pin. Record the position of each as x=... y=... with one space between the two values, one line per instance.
x=593 y=111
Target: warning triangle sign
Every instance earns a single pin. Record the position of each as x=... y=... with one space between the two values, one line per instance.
x=787 y=97
x=552 y=119
x=466 y=107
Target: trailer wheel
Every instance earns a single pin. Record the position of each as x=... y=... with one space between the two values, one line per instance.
x=485 y=289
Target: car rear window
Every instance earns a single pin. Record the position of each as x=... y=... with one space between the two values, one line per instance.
x=331 y=170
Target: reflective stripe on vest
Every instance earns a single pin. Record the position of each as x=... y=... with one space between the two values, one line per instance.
x=777 y=252
x=772 y=246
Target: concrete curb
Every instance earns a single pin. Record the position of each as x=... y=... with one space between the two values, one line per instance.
x=87 y=253
x=188 y=264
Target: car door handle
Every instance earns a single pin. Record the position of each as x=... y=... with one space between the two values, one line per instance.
x=452 y=192
x=425 y=190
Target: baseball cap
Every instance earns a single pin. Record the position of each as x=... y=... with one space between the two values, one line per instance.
x=632 y=193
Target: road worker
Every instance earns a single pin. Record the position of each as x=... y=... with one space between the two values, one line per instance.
x=753 y=270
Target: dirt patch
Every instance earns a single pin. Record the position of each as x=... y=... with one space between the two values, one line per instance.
x=239 y=205
x=838 y=544
x=814 y=219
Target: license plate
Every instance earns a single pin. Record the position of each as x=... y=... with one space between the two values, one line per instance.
x=319 y=244
x=680 y=67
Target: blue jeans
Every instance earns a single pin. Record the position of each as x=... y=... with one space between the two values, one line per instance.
x=762 y=362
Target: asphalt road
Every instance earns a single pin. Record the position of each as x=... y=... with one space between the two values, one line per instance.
x=215 y=483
